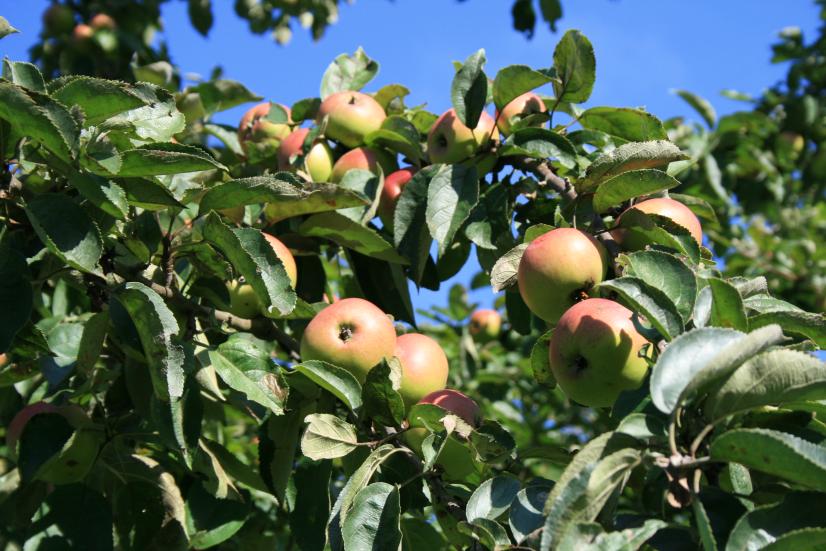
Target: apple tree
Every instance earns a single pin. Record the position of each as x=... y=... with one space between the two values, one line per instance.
x=209 y=338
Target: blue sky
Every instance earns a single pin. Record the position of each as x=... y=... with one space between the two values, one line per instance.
x=644 y=49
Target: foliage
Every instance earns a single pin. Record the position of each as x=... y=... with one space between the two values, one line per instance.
x=141 y=413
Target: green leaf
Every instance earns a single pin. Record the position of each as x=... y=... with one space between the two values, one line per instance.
x=525 y=516
x=350 y=234
x=104 y=194
x=99 y=98
x=391 y=97
x=91 y=344
x=158 y=331
x=490 y=534
x=66 y=230
x=327 y=437
x=277 y=447
x=26 y=75
x=726 y=305
x=771 y=378
x=399 y=135
x=576 y=68
x=253 y=258
x=213 y=521
x=632 y=125
x=410 y=228
x=661 y=230
x=652 y=302
x=451 y=195
x=703 y=525
x=492 y=498
x=246 y=367
x=643 y=427
x=806 y=538
x=336 y=380
x=374 y=521
x=469 y=90
x=812 y=326
x=775 y=453
x=382 y=402
x=701 y=105
x=763 y=303
x=40 y=118
x=764 y=525
x=5 y=28
x=348 y=72
x=384 y=284
x=513 y=81
x=667 y=273
x=200 y=15
x=227 y=134
x=504 y=272
x=627 y=157
x=220 y=95
x=16 y=297
x=592 y=536
x=82 y=517
x=149 y=194
x=158 y=121
x=541 y=143
x=629 y=185
x=157 y=159
x=286 y=197
x=308 y=516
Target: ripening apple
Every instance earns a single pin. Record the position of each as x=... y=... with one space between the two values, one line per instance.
x=595 y=352
x=424 y=366
x=353 y=334
x=450 y=141
x=3 y=360
x=102 y=21
x=633 y=240
x=485 y=325
x=558 y=269
x=390 y=192
x=522 y=106
x=318 y=162
x=456 y=460
x=350 y=116
x=362 y=158
x=244 y=302
x=58 y=20
x=82 y=33
x=259 y=136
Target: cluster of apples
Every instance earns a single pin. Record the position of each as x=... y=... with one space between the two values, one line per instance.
x=595 y=350
x=59 y=20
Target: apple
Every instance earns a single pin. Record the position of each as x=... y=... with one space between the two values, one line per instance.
x=102 y=21
x=58 y=20
x=390 y=192
x=456 y=460
x=3 y=360
x=632 y=240
x=792 y=142
x=362 y=158
x=318 y=162
x=485 y=325
x=352 y=333
x=558 y=269
x=82 y=33
x=450 y=141
x=244 y=302
x=595 y=352
x=424 y=366
x=350 y=117
x=74 y=415
x=528 y=103
x=259 y=136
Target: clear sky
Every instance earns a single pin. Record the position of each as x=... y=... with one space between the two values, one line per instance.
x=644 y=49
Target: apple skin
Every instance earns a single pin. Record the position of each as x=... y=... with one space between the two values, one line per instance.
x=244 y=302
x=424 y=366
x=595 y=352
x=360 y=158
x=528 y=103
x=82 y=33
x=350 y=117
x=353 y=334
x=390 y=193
x=450 y=141
x=102 y=21
x=632 y=240
x=485 y=325
x=558 y=269
x=74 y=415
x=455 y=402
x=260 y=137
x=318 y=162
x=58 y=20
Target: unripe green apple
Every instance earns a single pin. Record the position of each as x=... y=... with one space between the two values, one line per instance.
x=102 y=21
x=595 y=352
x=58 y=20
x=485 y=325
x=528 y=103
x=424 y=366
x=350 y=117
x=632 y=240
x=353 y=334
x=558 y=269
x=390 y=192
x=318 y=162
x=792 y=142
x=260 y=137
x=450 y=141
x=244 y=302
